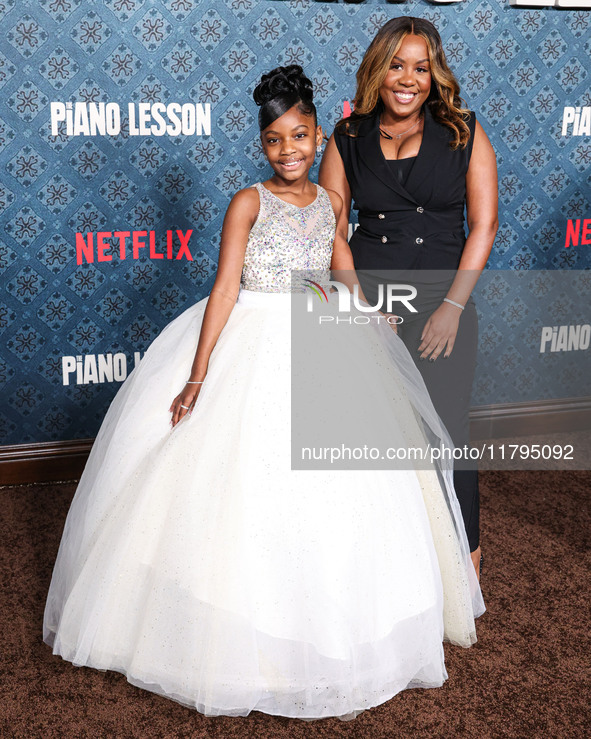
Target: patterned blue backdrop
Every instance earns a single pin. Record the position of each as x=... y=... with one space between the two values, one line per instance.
x=518 y=69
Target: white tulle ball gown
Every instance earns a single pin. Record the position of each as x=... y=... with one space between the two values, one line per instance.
x=198 y=564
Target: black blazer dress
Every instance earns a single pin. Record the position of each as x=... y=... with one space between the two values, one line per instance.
x=418 y=225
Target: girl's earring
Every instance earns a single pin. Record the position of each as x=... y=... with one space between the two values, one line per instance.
x=319 y=149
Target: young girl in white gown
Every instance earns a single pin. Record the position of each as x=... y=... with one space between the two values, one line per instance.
x=194 y=560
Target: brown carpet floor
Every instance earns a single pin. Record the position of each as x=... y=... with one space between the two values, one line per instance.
x=527 y=676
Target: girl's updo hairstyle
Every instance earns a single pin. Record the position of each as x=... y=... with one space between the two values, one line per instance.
x=281 y=89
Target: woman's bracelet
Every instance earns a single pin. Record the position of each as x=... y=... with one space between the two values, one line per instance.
x=189 y=382
x=453 y=302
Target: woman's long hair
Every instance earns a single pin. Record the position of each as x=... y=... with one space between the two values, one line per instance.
x=444 y=99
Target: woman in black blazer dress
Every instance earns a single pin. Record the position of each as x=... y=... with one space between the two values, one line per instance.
x=411 y=157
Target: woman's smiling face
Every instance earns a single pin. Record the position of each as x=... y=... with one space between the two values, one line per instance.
x=408 y=82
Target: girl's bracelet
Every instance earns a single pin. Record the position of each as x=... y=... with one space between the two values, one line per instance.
x=189 y=382
x=453 y=302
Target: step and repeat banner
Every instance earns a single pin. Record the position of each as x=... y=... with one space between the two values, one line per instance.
x=127 y=125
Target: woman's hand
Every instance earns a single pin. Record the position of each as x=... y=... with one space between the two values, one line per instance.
x=440 y=332
x=184 y=403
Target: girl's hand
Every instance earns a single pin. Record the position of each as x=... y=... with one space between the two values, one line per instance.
x=440 y=332
x=184 y=403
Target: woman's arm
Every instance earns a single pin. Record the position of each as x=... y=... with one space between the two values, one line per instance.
x=239 y=219
x=342 y=267
x=482 y=215
x=333 y=178
x=341 y=259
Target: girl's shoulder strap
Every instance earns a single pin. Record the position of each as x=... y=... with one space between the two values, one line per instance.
x=323 y=200
x=263 y=193
x=262 y=190
x=322 y=195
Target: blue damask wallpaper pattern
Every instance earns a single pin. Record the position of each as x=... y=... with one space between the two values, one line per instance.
x=517 y=68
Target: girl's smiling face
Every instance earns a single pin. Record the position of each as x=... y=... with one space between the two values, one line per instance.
x=408 y=82
x=289 y=144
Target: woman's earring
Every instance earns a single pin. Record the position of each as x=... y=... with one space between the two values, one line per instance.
x=319 y=149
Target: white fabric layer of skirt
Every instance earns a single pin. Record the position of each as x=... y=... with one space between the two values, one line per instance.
x=197 y=563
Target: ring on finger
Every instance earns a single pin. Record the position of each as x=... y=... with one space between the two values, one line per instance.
x=186 y=407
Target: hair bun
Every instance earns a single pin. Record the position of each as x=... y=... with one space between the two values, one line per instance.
x=289 y=80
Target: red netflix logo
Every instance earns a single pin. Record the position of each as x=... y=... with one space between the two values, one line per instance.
x=578 y=231
x=176 y=248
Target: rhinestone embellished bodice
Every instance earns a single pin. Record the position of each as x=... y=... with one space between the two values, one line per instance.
x=286 y=237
